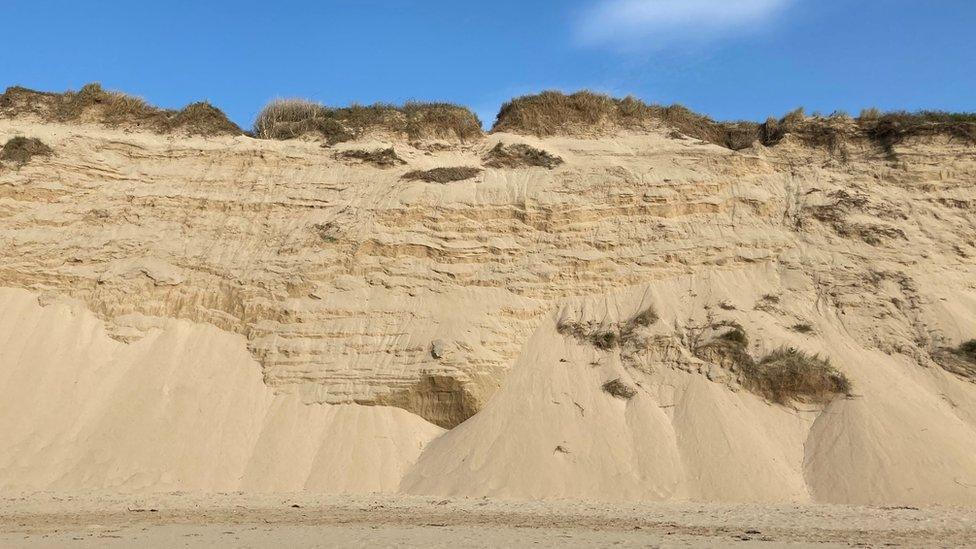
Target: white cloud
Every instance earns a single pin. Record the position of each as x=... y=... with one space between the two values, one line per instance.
x=660 y=23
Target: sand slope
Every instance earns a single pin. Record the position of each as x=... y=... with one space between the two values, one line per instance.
x=552 y=432
x=182 y=409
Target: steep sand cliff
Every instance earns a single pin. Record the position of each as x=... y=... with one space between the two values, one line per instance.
x=226 y=313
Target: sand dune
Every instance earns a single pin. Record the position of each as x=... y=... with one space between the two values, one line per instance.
x=899 y=438
x=184 y=408
x=218 y=314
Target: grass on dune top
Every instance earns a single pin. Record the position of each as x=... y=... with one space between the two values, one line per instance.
x=556 y=113
x=92 y=103
x=549 y=113
x=291 y=118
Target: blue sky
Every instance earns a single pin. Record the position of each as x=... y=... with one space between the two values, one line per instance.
x=731 y=59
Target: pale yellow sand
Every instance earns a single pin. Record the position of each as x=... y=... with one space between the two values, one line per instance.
x=229 y=314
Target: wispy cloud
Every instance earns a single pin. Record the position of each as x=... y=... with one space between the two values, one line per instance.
x=655 y=24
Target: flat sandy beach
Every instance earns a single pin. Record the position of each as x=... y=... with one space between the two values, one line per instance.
x=236 y=520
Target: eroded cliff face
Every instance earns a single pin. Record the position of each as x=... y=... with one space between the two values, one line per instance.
x=349 y=284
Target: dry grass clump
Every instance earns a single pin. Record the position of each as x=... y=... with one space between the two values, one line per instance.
x=729 y=350
x=520 y=155
x=115 y=107
x=608 y=337
x=960 y=361
x=871 y=233
x=731 y=135
x=736 y=336
x=644 y=318
x=768 y=303
x=802 y=328
x=884 y=129
x=967 y=350
x=440 y=121
x=328 y=231
x=383 y=158
x=291 y=118
x=555 y=113
x=604 y=338
x=202 y=118
x=584 y=112
x=442 y=175
x=92 y=103
x=18 y=100
x=789 y=374
x=21 y=149
x=890 y=129
x=772 y=131
x=841 y=203
x=619 y=389
x=782 y=376
x=829 y=133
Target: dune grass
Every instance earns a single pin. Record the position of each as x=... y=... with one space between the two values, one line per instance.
x=442 y=175
x=782 y=376
x=21 y=149
x=555 y=113
x=383 y=158
x=893 y=128
x=607 y=337
x=619 y=389
x=802 y=328
x=520 y=155
x=585 y=112
x=92 y=103
x=291 y=118
x=790 y=374
x=967 y=350
x=960 y=360
x=548 y=113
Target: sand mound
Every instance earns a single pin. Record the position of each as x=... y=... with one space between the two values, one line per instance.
x=555 y=431
x=185 y=408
